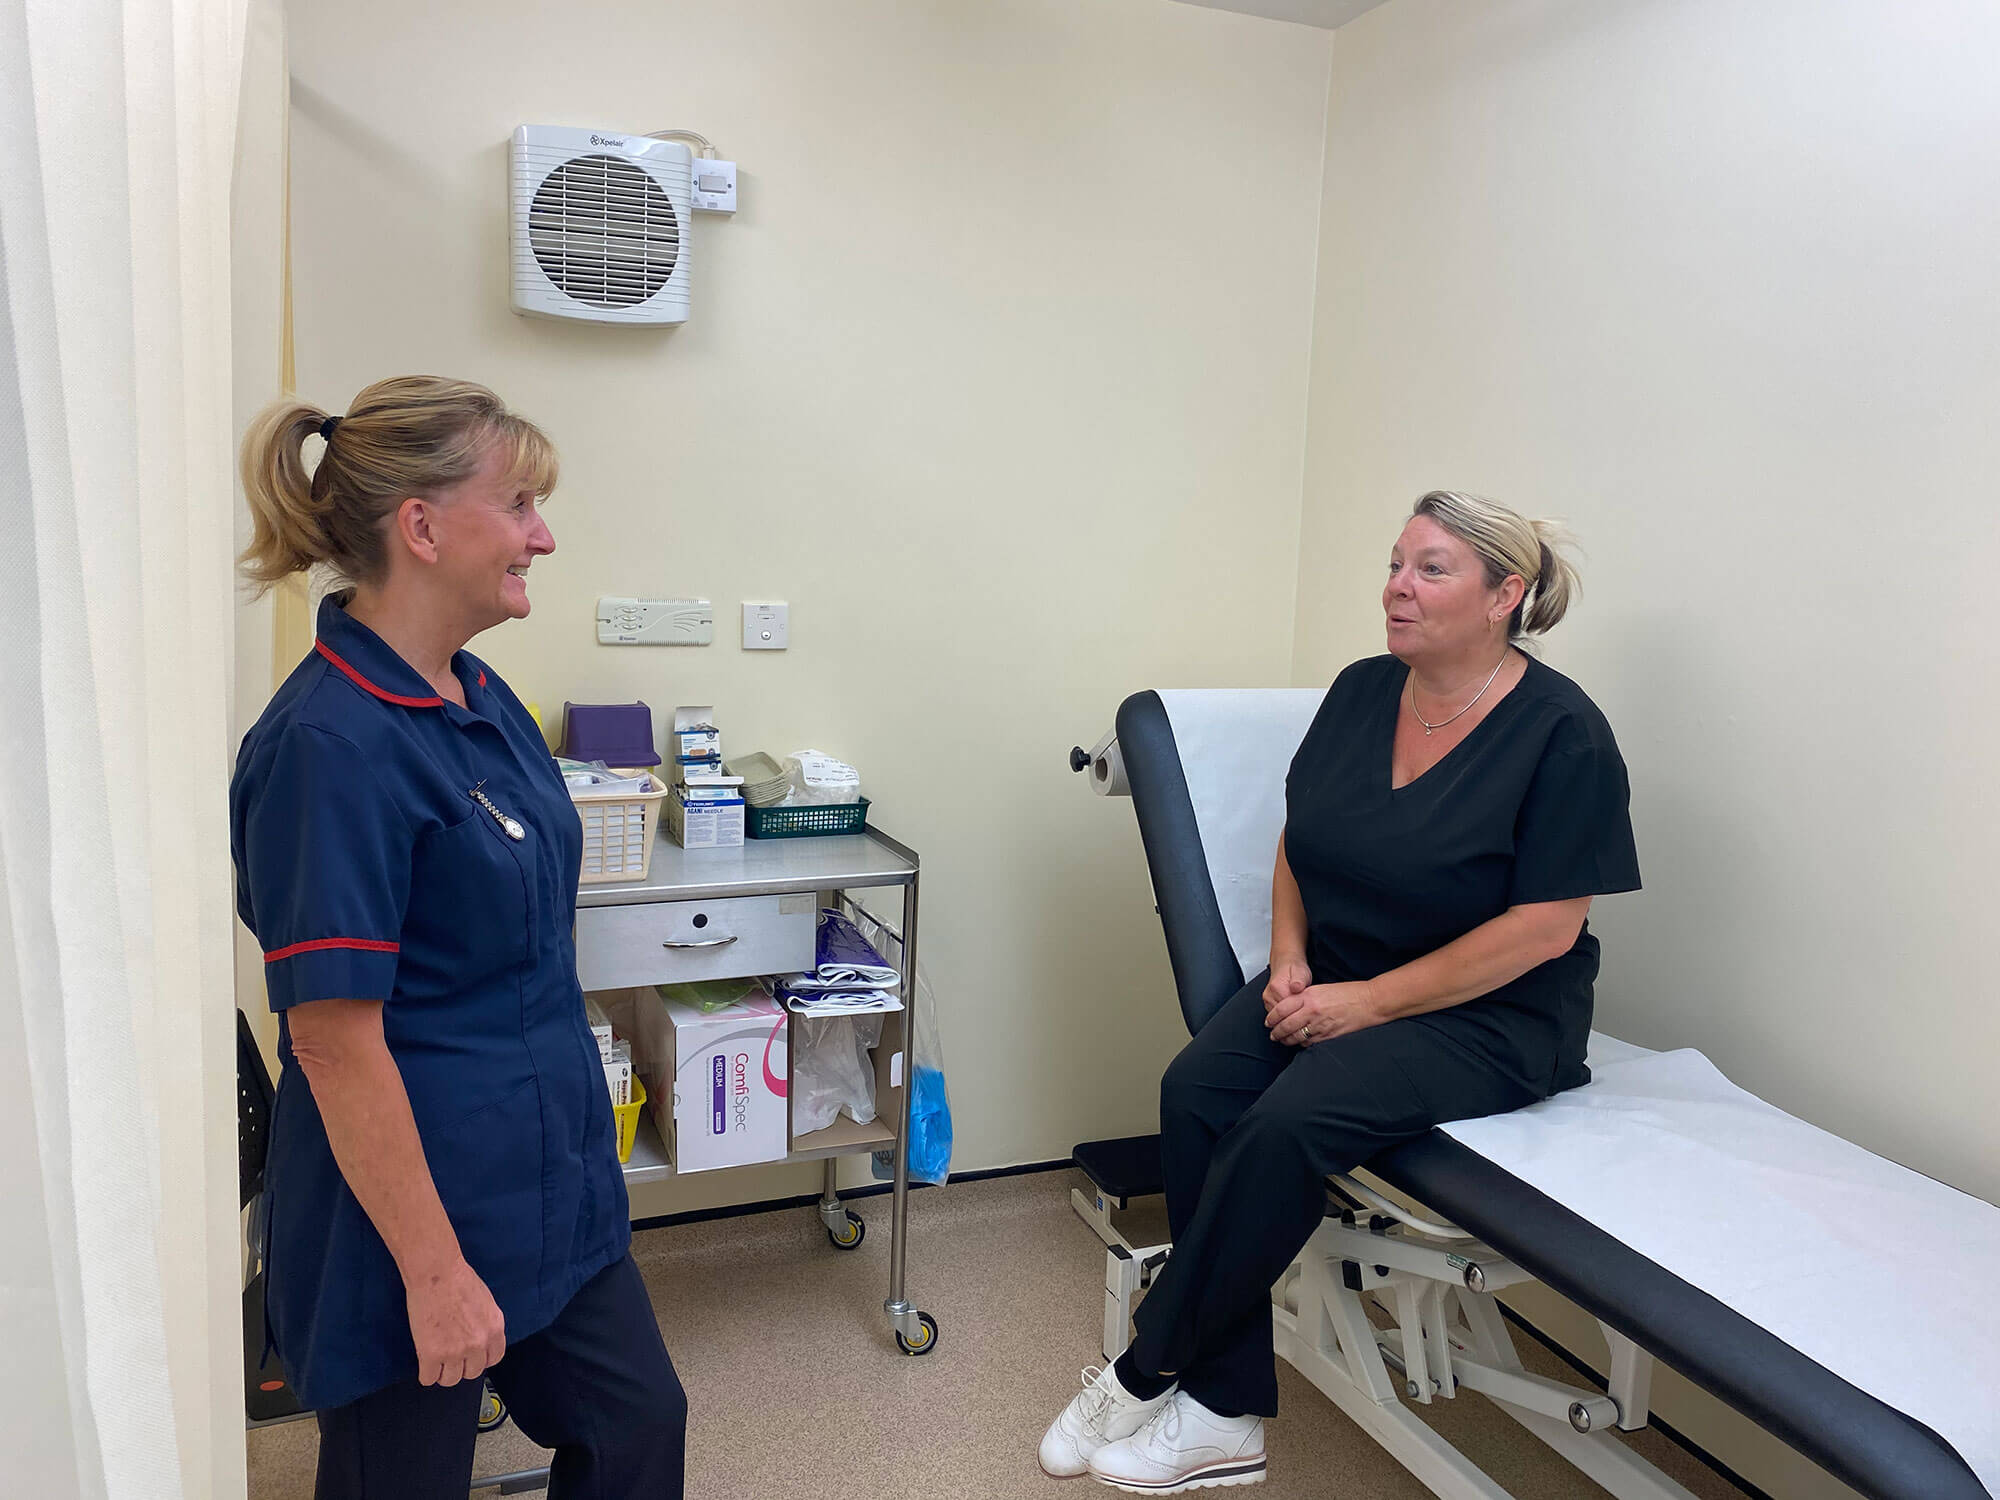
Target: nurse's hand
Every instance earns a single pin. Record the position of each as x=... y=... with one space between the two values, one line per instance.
x=458 y=1327
x=1322 y=1011
x=1289 y=976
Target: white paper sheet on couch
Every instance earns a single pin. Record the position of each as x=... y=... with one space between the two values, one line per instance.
x=1878 y=1273
x=1236 y=745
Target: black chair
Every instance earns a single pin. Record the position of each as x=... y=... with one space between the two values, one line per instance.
x=267 y=1391
x=268 y=1397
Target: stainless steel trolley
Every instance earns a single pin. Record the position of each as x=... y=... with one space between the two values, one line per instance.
x=609 y=943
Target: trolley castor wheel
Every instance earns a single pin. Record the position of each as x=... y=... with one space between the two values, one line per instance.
x=492 y=1410
x=850 y=1234
x=925 y=1341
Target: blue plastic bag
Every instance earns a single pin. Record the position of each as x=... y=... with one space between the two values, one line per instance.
x=929 y=1140
x=930 y=1131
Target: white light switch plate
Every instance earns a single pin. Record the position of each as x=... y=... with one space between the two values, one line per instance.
x=654 y=622
x=766 y=626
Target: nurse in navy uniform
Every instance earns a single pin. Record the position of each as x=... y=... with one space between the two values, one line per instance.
x=444 y=1195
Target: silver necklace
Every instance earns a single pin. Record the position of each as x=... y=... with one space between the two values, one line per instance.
x=1428 y=725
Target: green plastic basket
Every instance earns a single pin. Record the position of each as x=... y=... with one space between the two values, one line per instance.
x=805 y=822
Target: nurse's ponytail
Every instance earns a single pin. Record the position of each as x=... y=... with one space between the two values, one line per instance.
x=412 y=435
x=1509 y=542
x=287 y=536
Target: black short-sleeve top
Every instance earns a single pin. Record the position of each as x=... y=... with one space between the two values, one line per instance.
x=1533 y=805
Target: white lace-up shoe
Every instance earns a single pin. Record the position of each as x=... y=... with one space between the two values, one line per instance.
x=1183 y=1446
x=1102 y=1412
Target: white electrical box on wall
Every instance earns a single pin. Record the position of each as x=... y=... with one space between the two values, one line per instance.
x=767 y=626
x=714 y=185
x=654 y=622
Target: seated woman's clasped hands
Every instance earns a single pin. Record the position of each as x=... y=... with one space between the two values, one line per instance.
x=1298 y=1012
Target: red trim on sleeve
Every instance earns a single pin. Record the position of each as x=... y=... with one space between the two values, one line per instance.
x=362 y=682
x=364 y=945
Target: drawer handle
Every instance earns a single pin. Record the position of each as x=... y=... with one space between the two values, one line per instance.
x=721 y=942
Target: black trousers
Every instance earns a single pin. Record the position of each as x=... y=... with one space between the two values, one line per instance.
x=595 y=1385
x=1249 y=1128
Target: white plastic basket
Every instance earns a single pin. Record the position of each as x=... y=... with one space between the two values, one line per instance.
x=618 y=831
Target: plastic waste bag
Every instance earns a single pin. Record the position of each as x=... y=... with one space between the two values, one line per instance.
x=831 y=1072
x=929 y=1140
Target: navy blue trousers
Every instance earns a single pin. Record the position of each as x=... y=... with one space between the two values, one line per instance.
x=595 y=1385
x=1249 y=1129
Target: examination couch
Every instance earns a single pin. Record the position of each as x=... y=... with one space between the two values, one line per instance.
x=1423 y=1237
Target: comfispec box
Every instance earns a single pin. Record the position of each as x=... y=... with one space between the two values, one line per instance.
x=726 y=1103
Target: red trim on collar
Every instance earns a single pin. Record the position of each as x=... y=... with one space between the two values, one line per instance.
x=362 y=682
x=482 y=679
x=364 y=945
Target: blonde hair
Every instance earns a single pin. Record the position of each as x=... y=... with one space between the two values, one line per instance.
x=1509 y=542
x=409 y=435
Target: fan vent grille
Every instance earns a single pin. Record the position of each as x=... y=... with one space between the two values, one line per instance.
x=603 y=232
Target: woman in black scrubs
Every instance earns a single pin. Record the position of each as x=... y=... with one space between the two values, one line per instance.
x=1450 y=814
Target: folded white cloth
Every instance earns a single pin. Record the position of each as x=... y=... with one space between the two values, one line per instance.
x=842 y=1003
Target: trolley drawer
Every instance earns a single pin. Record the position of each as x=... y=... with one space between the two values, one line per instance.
x=667 y=942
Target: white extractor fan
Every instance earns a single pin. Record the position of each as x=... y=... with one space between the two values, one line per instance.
x=600 y=225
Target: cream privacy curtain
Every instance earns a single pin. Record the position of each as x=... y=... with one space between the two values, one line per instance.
x=119 y=1375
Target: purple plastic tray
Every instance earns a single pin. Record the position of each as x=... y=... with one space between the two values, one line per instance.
x=619 y=734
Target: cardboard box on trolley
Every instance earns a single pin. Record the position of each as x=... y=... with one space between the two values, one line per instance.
x=717 y=1081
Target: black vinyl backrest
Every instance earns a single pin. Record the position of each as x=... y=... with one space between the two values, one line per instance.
x=1205 y=969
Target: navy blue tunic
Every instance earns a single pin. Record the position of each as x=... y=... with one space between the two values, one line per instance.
x=369 y=871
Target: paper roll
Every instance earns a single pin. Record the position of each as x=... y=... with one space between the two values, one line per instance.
x=1107 y=769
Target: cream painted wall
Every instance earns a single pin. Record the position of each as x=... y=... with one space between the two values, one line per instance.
x=1714 y=281
x=986 y=378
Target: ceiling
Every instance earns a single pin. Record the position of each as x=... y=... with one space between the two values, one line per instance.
x=1327 y=13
